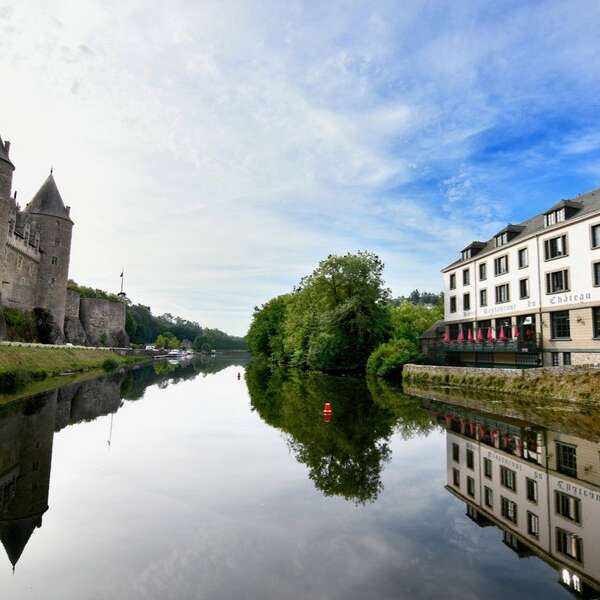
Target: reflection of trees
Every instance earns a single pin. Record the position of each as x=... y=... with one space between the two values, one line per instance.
x=411 y=418
x=164 y=373
x=345 y=456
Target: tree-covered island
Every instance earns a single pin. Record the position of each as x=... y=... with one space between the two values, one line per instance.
x=342 y=318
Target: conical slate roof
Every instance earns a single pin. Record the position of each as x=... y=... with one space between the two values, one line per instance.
x=3 y=155
x=15 y=535
x=47 y=201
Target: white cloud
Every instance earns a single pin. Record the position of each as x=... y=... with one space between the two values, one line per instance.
x=217 y=150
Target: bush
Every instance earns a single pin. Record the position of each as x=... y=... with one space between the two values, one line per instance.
x=12 y=379
x=388 y=359
x=110 y=364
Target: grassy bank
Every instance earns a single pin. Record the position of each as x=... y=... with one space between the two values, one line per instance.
x=578 y=384
x=20 y=365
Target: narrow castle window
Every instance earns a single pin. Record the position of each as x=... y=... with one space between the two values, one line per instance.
x=11 y=227
x=57 y=241
x=55 y=260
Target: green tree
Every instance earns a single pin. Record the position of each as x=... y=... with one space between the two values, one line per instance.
x=265 y=335
x=408 y=322
x=167 y=341
x=337 y=315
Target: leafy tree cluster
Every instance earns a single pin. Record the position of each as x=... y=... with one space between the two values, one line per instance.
x=417 y=297
x=408 y=322
x=332 y=321
x=167 y=341
x=341 y=318
x=143 y=328
x=89 y=292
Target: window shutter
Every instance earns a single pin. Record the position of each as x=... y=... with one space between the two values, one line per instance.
x=566 y=277
x=548 y=283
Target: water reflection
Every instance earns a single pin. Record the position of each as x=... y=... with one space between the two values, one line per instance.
x=345 y=452
x=27 y=429
x=197 y=479
x=539 y=486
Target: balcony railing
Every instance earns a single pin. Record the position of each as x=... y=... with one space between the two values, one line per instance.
x=510 y=345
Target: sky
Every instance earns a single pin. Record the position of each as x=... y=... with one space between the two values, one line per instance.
x=217 y=150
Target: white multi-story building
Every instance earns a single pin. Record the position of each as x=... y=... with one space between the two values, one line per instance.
x=530 y=295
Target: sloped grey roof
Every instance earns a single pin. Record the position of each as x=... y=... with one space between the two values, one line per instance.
x=590 y=203
x=3 y=155
x=48 y=201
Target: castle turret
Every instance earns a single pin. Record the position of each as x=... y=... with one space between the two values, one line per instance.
x=52 y=219
x=6 y=170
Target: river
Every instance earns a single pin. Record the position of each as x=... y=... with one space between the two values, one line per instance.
x=221 y=481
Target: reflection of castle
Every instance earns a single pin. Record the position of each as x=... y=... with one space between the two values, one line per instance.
x=26 y=435
x=538 y=486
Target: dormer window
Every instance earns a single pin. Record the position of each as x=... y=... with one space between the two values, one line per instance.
x=554 y=217
x=562 y=211
x=501 y=239
x=466 y=254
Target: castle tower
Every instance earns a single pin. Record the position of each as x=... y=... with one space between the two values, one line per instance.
x=48 y=212
x=6 y=170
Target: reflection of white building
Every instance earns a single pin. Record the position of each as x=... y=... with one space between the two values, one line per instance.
x=525 y=481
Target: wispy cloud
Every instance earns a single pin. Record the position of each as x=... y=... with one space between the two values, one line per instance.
x=219 y=149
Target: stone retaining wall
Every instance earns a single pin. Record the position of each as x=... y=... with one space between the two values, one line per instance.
x=442 y=371
x=562 y=383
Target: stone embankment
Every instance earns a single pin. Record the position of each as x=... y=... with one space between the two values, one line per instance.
x=560 y=383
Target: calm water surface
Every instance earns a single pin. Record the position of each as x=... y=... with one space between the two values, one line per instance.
x=189 y=482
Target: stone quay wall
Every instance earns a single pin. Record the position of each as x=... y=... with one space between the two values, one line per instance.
x=562 y=383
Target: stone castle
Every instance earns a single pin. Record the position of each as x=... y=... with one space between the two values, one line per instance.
x=35 y=249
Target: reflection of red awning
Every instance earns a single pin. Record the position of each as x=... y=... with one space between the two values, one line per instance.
x=479 y=335
x=515 y=332
x=469 y=335
x=491 y=336
x=461 y=337
x=502 y=336
x=446 y=337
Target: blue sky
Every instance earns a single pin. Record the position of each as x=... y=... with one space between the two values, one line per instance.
x=218 y=150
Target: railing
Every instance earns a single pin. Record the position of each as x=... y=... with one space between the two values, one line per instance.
x=510 y=345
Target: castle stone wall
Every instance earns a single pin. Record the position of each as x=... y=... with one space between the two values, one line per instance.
x=19 y=278
x=103 y=322
x=72 y=305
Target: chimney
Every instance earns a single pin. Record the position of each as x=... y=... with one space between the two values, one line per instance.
x=7 y=147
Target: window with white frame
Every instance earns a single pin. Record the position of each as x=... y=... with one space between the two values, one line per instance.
x=523 y=256
x=557 y=281
x=501 y=265
x=555 y=247
x=554 y=217
x=524 y=288
x=502 y=293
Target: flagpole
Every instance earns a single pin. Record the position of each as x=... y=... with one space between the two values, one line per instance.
x=122 y=273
